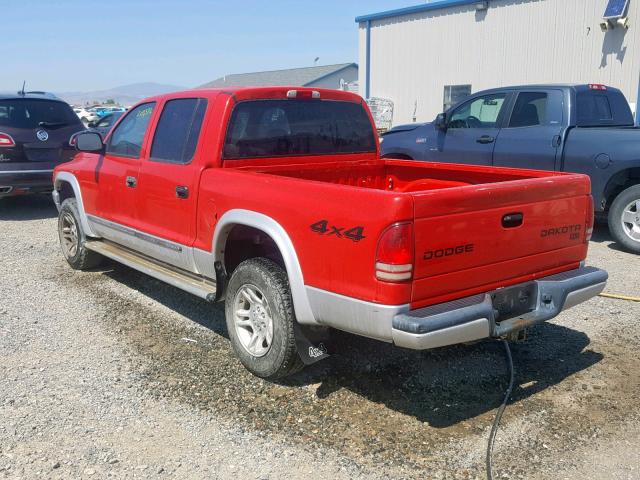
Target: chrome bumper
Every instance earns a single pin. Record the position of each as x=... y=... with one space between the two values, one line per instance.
x=496 y=313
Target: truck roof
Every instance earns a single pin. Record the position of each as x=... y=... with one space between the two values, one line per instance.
x=565 y=86
x=251 y=93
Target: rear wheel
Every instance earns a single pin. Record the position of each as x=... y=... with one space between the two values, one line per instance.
x=73 y=238
x=260 y=319
x=624 y=219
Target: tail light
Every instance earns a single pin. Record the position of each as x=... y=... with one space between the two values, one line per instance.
x=597 y=86
x=395 y=254
x=589 y=222
x=305 y=94
x=6 y=140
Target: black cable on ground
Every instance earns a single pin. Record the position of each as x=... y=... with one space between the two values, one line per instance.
x=496 y=422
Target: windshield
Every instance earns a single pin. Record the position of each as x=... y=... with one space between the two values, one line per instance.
x=27 y=113
x=277 y=128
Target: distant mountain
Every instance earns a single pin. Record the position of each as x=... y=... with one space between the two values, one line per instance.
x=125 y=95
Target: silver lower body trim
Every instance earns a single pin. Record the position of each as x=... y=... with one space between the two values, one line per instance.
x=371 y=320
x=475 y=330
x=20 y=172
x=582 y=295
x=459 y=321
x=163 y=250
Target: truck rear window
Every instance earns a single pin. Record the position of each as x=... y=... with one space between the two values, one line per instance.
x=598 y=109
x=28 y=113
x=284 y=128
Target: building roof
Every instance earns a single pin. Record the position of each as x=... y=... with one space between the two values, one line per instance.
x=425 y=7
x=293 y=76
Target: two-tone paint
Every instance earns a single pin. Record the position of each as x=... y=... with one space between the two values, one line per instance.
x=331 y=274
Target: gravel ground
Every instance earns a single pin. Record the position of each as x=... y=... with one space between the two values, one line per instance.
x=110 y=373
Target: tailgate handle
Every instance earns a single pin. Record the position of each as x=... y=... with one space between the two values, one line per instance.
x=512 y=220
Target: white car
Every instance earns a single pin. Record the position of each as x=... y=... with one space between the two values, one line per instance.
x=85 y=115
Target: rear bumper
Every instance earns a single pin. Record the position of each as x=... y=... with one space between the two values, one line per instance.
x=494 y=314
x=19 y=182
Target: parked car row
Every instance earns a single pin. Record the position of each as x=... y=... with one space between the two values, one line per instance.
x=89 y=115
x=585 y=129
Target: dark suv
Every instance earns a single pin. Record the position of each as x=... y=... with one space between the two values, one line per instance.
x=35 y=129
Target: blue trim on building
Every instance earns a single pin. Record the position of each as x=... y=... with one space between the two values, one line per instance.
x=638 y=104
x=367 y=85
x=417 y=9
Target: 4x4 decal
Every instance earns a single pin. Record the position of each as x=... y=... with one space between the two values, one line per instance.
x=323 y=227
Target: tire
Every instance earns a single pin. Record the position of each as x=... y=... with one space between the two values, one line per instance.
x=259 y=289
x=624 y=219
x=73 y=239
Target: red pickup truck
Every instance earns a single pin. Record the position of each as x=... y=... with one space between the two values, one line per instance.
x=276 y=200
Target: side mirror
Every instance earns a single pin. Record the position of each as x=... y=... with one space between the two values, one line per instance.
x=91 y=124
x=89 y=142
x=441 y=121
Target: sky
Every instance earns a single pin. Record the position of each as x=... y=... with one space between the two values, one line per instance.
x=80 y=45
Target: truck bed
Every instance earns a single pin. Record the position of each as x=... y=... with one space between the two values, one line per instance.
x=454 y=207
x=401 y=176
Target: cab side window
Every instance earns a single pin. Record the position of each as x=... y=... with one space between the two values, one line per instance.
x=530 y=110
x=127 y=138
x=482 y=112
x=178 y=130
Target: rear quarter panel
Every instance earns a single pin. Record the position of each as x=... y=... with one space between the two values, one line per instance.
x=328 y=261
x=601 y=153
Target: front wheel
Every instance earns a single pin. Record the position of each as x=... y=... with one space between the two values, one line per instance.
x=73 y=238
x=624 y=219
x=260 y=319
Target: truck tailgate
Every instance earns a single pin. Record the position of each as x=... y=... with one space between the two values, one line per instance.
x=478 y=238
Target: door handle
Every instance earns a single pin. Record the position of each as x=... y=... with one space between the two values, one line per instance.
x=131 y=182
x=182 y=191
x=486 y=139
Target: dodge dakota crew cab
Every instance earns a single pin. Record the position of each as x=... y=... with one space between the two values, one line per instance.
x=276 y=200
x=574 y=128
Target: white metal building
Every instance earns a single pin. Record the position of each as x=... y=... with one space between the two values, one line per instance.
x=425 y=58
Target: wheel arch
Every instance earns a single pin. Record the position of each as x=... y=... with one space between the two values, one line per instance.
x=275 y=231
x=619 y=182
x=66 y=183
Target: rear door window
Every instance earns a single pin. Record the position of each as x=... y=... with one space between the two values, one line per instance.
x=178 y=130
x=277 y=128
x=533 y=109
x=127 y=138
x=33 y=113
x=530 y=110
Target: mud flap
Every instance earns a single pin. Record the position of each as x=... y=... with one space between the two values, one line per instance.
x=312 y=346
